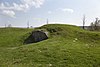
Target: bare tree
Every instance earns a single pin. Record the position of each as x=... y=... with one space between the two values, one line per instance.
x=47 y=21
x=95 y=25
x=28 y=24
x=92 y=26
x=84 y=21
x=9 y=25
x=5 y=25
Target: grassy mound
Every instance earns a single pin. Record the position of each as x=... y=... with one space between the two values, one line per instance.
x=11 y=37
x=67 y=46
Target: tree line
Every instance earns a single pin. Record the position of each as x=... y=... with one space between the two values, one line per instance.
x=95 y=26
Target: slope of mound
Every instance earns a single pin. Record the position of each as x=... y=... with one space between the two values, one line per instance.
x=69 y=31
x=67 y=46
x=11 y=37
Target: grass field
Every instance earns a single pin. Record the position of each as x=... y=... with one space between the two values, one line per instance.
x=67 y=46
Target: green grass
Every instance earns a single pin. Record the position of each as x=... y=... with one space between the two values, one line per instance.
x=67 y=46
x=11 y=37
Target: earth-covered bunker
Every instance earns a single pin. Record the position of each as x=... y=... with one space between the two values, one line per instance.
x=36 y=36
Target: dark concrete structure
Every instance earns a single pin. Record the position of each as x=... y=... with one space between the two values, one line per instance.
x=36 y=36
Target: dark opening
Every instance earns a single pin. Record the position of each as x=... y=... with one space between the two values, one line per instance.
x=36 y=36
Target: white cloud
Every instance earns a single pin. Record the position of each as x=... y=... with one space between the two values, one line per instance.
x=20 y=7
x=67 y=10
x=6 y=8
x=9 y=13
x=25 y=4
x=35 y=3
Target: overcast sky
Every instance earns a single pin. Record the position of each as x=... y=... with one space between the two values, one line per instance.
x=19 y=12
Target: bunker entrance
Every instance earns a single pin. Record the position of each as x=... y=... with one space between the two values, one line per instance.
x=36 y=36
